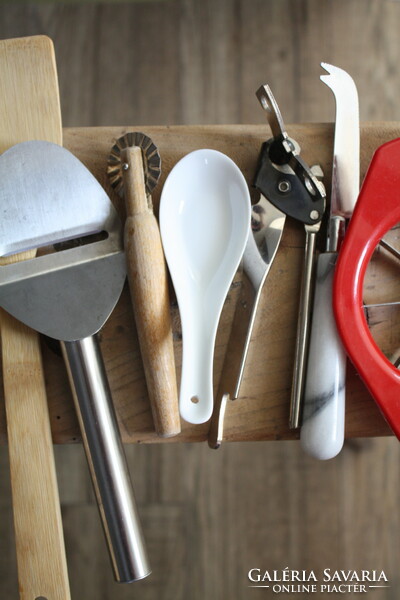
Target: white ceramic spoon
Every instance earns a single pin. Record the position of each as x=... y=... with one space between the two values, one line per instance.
x=204 y=222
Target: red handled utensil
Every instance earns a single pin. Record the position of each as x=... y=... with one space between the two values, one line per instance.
x=377 y=211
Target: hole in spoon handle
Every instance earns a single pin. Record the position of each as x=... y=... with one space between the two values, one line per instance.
x=196 y=392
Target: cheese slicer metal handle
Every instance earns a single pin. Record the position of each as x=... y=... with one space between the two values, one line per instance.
x=106 y=458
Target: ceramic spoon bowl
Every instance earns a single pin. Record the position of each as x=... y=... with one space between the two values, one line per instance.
x=204 y=222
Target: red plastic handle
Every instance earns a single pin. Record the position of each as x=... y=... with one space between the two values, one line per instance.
x=377 y=210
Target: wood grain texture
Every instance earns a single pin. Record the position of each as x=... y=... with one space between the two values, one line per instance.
x=30 y=109
x=261 y=412
x=148 y=284
x=247 y=505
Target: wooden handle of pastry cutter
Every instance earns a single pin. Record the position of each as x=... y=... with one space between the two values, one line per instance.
x=29 y=107
x=148 y=283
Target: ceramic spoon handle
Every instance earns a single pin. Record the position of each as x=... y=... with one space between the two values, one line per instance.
x=196 y=397
x=105 y=455
x=148 y=285
x=322 y=432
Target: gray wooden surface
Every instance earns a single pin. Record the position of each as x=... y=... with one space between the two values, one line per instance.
x=211 y=516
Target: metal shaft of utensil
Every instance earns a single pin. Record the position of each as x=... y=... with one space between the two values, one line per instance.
x=231 y=378
x=106 y=458
x=391 y=249
x=259 y=254
x=303 y=327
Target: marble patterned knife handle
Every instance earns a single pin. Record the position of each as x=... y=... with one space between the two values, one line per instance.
x=322 y=431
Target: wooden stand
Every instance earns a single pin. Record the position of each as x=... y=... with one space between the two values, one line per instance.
x=30 y=109
x=262 y=411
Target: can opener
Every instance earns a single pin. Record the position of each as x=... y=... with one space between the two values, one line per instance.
x=287 y=186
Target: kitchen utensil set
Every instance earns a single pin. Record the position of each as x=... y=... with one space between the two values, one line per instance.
x=208 y=227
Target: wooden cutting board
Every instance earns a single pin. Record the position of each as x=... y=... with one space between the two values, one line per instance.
x=30 y=109
x=263 y=409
